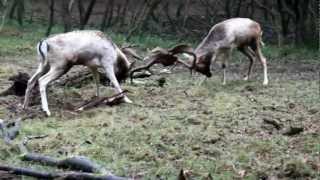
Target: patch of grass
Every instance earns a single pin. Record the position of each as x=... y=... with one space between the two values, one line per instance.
x=296 y=168
x=20 y=41
x=291 y=53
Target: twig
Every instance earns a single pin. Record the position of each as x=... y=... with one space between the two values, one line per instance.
x=77 y=163
x=273 y=122
x=112 y=100
x=293 y=131
x=23 y=145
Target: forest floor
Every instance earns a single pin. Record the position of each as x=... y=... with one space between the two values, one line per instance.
x=199 y=127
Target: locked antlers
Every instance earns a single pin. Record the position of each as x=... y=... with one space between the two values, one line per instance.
x=167 y=58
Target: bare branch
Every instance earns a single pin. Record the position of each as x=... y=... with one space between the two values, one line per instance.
x=55 y=175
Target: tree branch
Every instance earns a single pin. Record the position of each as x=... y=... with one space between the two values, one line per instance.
x=54 y=175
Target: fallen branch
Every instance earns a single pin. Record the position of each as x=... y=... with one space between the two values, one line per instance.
x=273 y=122
x=96 y=101
x=55 y=175
x=292 y=131
x=6 y=175
x=76 y=163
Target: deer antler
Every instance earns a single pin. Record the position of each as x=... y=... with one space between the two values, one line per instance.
x=185 y=49
x=127 y=49
x=167 y=58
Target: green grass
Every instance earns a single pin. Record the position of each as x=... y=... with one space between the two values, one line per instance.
x=200 y=127
x=22 y=40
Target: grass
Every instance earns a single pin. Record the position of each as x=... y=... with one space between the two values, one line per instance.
x=200 y=127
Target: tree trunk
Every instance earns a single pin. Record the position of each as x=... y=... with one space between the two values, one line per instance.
x=118 y=14
x=303 y=7
x=124 y=13
x=186 y=13
x=110 y=16
x=227 y=8
x=139 y=19
x=179 y=9
x=20 y=12
x=238 y=8
x=252 y=9
x=87 y=14
x=166 y=9
x=51 y=17
x=151 y=7
x=13 y=9
x=17 y=8
x=105 y=16
x=81 y=11
x=66 y=18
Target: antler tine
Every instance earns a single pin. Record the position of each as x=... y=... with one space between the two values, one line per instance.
x=156 y=53
x=131 y=52
x=146 y=67
x=185 y=49
x=181 y=49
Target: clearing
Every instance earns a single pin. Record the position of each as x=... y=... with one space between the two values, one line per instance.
x=227 y=131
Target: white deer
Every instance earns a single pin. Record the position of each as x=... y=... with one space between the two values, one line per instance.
x=58 y=53
x=241 y=33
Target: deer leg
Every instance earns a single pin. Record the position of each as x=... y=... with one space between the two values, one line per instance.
x=53 y=74
x=96 y=79
x=109 y=70
x=203 y=80
x=32 y=81
x=224 y=66
x=173 y=66
x=226 y=56
x=246 y=51
x=251 y=51
x=257 y=50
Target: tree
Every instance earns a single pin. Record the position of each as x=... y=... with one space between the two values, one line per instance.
x=17 y=11
x=51 y=17
x=85 y=14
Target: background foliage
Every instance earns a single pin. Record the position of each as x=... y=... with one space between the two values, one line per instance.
x=283 y=21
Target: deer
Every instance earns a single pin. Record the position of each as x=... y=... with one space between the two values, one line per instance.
x=243 y=34
x=58 y=53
